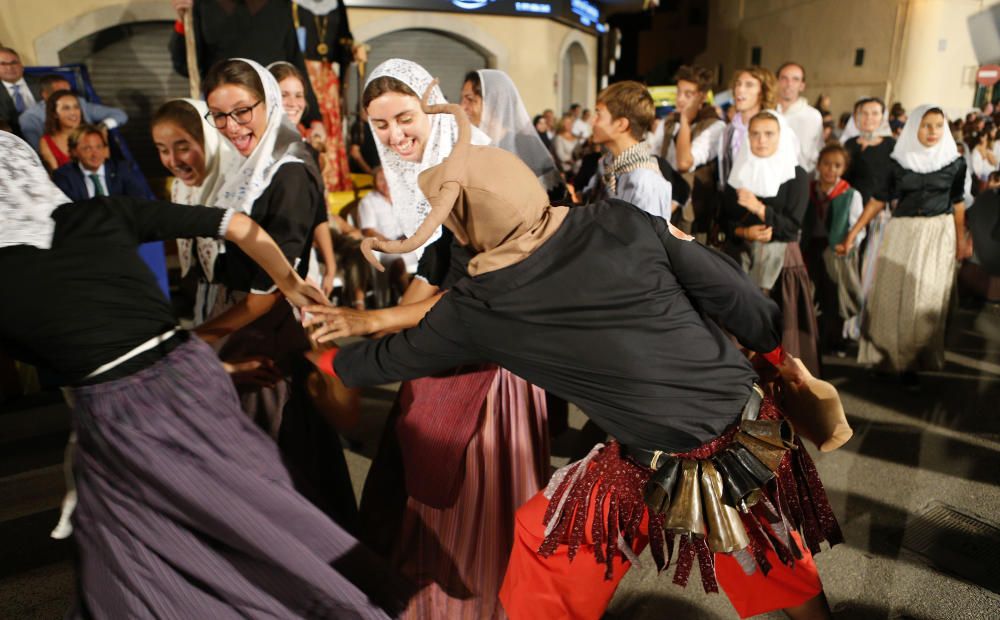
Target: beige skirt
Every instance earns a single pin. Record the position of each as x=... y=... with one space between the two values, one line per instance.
x=904 y=325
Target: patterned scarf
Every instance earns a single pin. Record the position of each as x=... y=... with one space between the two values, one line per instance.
x=634 y=157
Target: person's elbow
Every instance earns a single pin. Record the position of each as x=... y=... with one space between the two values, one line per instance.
x=684 y=163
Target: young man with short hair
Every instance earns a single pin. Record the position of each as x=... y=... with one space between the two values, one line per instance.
x=805 y=120
x=623 y=115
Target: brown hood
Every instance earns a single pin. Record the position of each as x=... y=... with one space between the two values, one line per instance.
x=488 y=197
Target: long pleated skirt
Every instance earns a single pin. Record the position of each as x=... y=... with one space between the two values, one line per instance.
x=186 y=511
x=904 y=324
x=458 y=554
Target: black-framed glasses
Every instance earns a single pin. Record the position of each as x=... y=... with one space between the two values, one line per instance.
x=242 y=116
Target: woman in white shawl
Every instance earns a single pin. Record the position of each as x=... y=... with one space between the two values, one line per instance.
x=763 y=206
x=192 y=150
x=472 y=446
x=492 y=103
x=277 y=184
x=903 y=330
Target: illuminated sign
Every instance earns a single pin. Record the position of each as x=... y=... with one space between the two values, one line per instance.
x=533 y=7
x=470 y=5
x=588 y=12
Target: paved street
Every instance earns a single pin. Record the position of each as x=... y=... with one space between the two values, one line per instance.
x=916 y=491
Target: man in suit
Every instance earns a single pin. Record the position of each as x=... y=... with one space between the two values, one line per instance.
x=32 y=121
x=92 y=173
x=15 y=96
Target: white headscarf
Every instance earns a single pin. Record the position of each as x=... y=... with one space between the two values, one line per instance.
x=27 y=196
x=219 y=156
x=764 y=175
x=505 y=120
x=281 y=144
x=852 y=131
x=319 y=7
x=915 y=156
x=408 y=203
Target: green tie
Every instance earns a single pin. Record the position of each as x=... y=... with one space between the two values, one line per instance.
x=98 y=189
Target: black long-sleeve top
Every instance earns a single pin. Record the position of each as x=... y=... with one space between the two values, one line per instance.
x=784 y=213
x=263 y=32
x=289 y=210
x=90 y=298
x=611 y=314
x=870 y=167
x=924 y=194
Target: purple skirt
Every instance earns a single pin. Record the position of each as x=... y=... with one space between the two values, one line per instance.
x=185 y=510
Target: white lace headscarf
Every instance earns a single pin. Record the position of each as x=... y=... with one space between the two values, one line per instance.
x=408 y=203
x=319 y=7
x=505 y=120
x=764 y=175
x=247 y=178
x=913 y=155
x=219 y=156
x=27 y=196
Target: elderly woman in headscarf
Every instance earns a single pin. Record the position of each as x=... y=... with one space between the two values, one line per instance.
x=471 y=441
x=903 y=330
x=185 y=509
x=276 y=183
x=763 y=206
x=607 y=306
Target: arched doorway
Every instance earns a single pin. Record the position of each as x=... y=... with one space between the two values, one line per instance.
x=131 y=69
x=575 y=76
x=446 y=57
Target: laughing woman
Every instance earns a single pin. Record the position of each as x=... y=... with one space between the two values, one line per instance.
x=463 y=449
x=903 y=330
x=277 y=185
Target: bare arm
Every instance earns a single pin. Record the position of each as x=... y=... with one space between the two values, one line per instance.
x=323 y=240
x=47 y=156
x=685 y=160
x=871 y=210
x=262 y=249
x=963 y=247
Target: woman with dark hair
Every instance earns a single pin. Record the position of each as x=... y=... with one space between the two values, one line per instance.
x=903 y=329
x=754 y=89
x=277 y=184
x=62 y=116
x=469 y=441
x=869 y=145
x=763 y=207
x=184 y=508
x=192 y=150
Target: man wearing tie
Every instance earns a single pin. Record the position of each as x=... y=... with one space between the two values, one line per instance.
x=15 y=96
x=92 y=173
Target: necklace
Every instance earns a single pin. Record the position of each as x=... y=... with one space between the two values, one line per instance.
x=321 y=25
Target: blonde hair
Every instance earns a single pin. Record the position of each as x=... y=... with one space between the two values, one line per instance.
x=767 y=81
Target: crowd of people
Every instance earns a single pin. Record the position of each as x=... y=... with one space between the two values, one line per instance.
x=609 y=258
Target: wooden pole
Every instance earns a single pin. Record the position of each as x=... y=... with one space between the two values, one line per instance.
x=194 y=75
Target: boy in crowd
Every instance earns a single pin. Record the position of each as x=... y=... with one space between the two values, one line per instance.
x=622 y=116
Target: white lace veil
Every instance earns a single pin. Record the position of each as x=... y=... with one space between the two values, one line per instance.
x=27 y=196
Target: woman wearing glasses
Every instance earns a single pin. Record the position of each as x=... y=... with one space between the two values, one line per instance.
x=277 y=184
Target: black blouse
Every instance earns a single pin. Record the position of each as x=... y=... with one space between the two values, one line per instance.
x=337 y=40
x=785 y=210
x=925 y=194
x=611 y=313
x=233 y=29
x=870 y=167
x=287 y=210
x=90 y=298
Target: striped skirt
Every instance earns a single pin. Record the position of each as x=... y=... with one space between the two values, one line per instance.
x=186 y=511
x=904 y=325
x=458 y=554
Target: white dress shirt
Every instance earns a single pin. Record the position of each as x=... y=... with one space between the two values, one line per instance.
x=91 y=190
x=704 y=148
x=25 y=92
x=807 y=123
